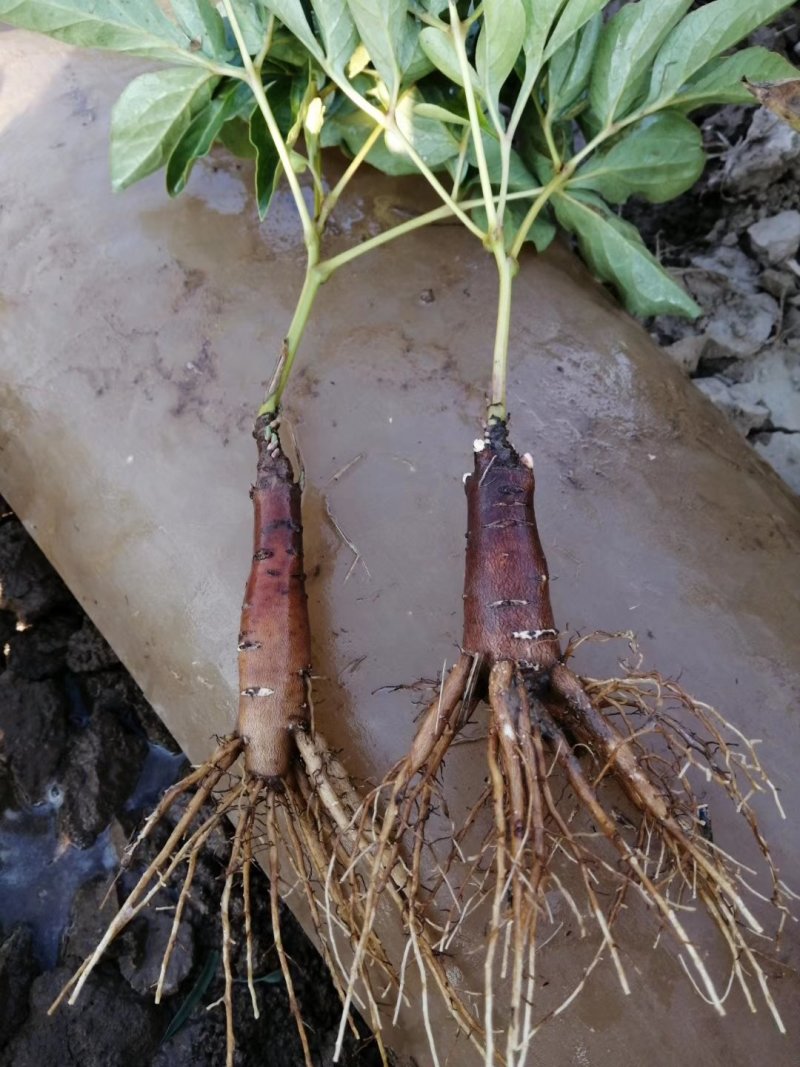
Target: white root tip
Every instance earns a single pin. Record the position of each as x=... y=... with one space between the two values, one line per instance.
x=478 y=444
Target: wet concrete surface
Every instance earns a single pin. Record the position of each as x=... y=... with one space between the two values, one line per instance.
x=137 y=334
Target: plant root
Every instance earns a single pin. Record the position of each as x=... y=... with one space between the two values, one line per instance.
x=598 y=791
x=295 y=827
x=293 y=805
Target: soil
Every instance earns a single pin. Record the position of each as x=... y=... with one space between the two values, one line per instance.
x=82 y=760
x=733 y=240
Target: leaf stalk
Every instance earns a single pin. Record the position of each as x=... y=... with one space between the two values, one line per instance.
x=257 y=88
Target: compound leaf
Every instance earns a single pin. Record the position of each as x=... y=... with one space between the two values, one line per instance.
x=659 y=159
x=151 y=116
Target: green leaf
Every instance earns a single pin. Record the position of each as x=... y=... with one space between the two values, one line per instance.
x=201 y=133
x=286 y=51
x=541 y=235
x=235 y=136
x=251 y=21
x=615 y=252
x=267 y=163
x=570 y=67
x=575 y=15
x=439 y=46
x=704 y=34
x=192 y=1001
x=499 y=44
x=267 y=158
x=540 y=16
x=292 y=15
x=722 y=80
x=203 y=23
x=628 y=45
x=659 y=159
x=418 y=67
x=339 y=33
x=150 y=117
x=135 y=26
x=434 y=111
x=386 y=33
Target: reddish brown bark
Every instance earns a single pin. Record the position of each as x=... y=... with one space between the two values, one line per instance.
x=275 y=639
x=507 y=612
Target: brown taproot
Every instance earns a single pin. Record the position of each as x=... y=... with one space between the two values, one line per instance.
x=565 y=755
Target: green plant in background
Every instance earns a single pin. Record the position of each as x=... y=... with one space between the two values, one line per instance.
x=524 y=116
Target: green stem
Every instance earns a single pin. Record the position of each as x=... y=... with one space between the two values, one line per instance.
x=389 y=125
x=507 y=137
x=258 y=62
x=333 y=196
x=327 y=266
x=474 y=121
x=505 y=170
x=552 y=186
x=506 y=269
x=311 y=284
x=460 y=167
x=547 y=126
x=318 y=272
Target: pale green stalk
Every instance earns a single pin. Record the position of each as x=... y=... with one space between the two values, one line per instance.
x=460 y=169
x=547 y=127
x=438 y=214
x=258 y=62
x=311 y=284
x=257 y=88
x=317 y=272
x=552 y=186
x=507 y=135
x=333 y=197
x=474 y=121
x=506 y=269
x=494 y=240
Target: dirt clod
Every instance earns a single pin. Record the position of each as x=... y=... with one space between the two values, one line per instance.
x=100 y=770
x=776 y=238
x=87 y=650
x=33 y=733
x=18 y=969
x=30 y=587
